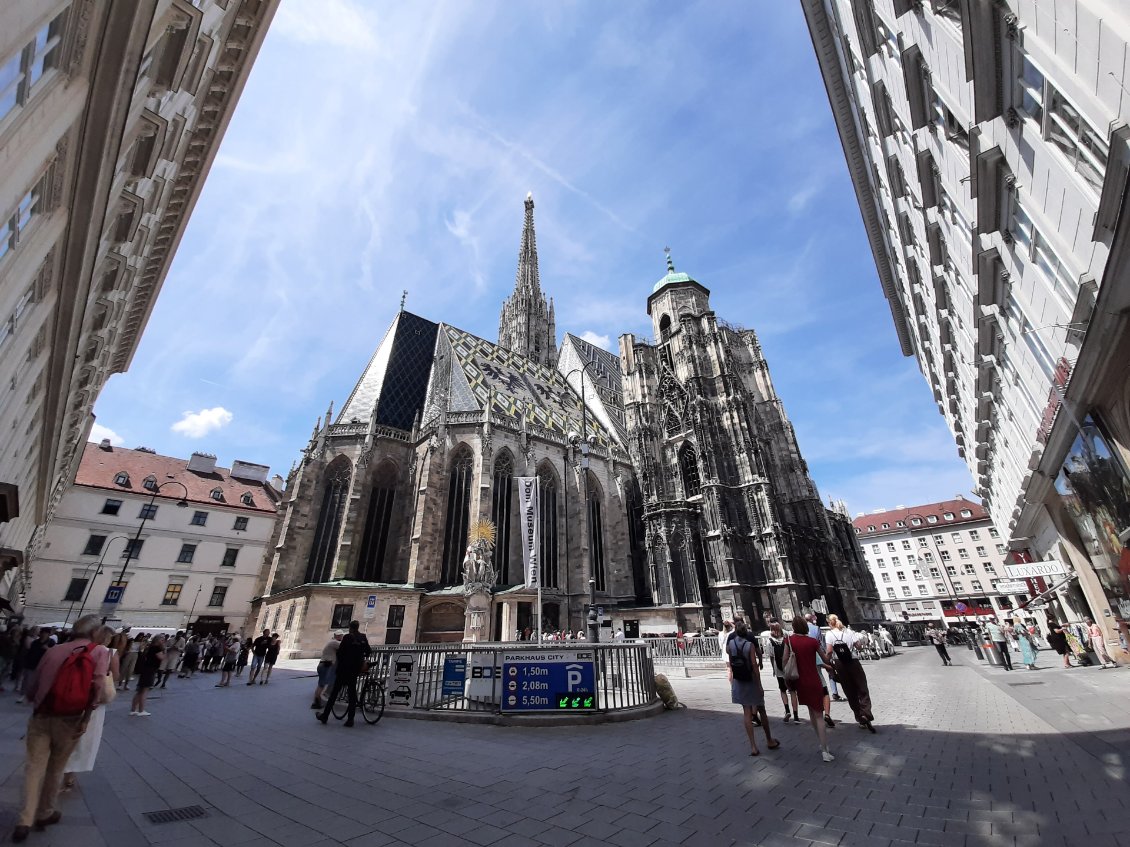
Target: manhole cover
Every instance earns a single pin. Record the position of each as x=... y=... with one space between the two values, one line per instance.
x=186 y=813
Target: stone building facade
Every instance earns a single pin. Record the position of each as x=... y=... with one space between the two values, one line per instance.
x=376 y=514
x=110 y=116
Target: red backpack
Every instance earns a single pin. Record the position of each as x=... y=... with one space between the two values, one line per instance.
x=72 y=692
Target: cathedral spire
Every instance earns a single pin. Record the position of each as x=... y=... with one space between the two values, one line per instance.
x=526 y=325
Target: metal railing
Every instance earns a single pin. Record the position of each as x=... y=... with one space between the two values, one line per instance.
x=469 y=677
x=699 y=652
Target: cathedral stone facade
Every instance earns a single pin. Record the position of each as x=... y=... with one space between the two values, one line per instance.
x=670 y=475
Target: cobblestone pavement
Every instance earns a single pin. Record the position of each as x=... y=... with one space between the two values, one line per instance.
x=965 y=755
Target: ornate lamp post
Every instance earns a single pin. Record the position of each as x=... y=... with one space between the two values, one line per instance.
x=584 y=442
x=90 y=584
x=131 y=547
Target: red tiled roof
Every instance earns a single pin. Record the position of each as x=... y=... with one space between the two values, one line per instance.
x=893 y=516
x=99 y=467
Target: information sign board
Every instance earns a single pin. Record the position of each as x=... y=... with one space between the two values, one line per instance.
x=454 y=675
x=114 y=594
x=1026 y=570
x=555 y=681
x=1014 y=586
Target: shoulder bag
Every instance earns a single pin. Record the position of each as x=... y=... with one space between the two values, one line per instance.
x=791 y=671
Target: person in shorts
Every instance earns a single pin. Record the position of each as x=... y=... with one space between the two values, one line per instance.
x=259 y=648
x=148 y=669
x=231 y=657
x=326 y=668
x=271 y=657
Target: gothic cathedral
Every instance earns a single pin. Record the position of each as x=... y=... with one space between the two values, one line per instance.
x=670 y=475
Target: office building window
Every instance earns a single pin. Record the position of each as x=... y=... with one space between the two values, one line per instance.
x=342 y=615
x=229 y=557
x=935 y=573
x=976 y=585
x=1031 y=245
x=980 y=551
x=974 y=535
x=148 y=512
x=240 y=523
x=111 y=507
x=957 y=586
x=962 y=552
x=880 y=563
x=890 y=592
x=886 y=577
x=968 y=569
x=923 y=542
x=199 y=518
x=927 y=556
x=900 y=575
x=75 y=590
x=923 y=590
x=1061 y=123
x=394 y=625
x=21 y=74
x=916 y=574
x=172 y=594
x=939 y=539
x=906 y=592
x=890 y=547
x=988 y=566
x=945 y=555
x=187 y=551
x=940 y=587
x=951 y=570
x=94 y=545
x=219 y=592
x=895 y=561
x=906 y=544
x=993 y=533
x=133 y=548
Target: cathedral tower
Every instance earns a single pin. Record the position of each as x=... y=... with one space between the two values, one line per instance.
x=526 y=325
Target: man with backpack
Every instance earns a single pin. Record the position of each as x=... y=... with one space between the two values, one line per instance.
x=65 y=689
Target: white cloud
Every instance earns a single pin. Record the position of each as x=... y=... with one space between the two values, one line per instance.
x=99 y=432
x=199 y=424
x=592 y=338
x=335 y=23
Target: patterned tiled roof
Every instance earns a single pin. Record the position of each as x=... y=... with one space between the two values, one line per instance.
x=100 y=466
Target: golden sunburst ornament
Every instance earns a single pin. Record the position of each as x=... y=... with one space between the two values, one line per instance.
x=481 y=531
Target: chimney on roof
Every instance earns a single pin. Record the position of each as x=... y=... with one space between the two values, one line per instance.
x=144 y=450
x=203 y=463
x=104 y=444
x=249 y=471
x=278 y=483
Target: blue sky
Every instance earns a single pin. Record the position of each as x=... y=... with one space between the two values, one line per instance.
x=389 y=146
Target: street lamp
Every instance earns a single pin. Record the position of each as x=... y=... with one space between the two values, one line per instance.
x=584 y=441
x=131 y=548
x=188 y=623
x=90 y=583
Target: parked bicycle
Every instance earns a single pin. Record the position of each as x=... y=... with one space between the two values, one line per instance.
x=370 y=697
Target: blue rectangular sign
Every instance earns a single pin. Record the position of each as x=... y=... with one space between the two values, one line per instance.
x=114 y=594
x=548 y=682
x=454 y=675
x=371 y=603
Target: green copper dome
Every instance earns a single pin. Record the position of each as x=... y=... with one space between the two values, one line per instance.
x=672 y=277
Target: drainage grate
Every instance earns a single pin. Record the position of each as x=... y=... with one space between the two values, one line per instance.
x=186 y=813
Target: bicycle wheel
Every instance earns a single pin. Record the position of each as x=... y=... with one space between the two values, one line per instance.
x=373 y=702
x=341 y=704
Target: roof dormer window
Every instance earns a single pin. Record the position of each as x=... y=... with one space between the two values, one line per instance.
x=948 y=516
x=871 y=529
x=246 y=499
x=886 y=526
x=122 y=478
x=217 y=494
x=150 y=483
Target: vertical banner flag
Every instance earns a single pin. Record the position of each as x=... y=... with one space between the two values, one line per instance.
x=528 y=509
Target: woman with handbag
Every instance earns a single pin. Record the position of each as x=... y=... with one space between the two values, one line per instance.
x=1027 y=645
x=802 y=677
x=841 y=642
x=86 y=751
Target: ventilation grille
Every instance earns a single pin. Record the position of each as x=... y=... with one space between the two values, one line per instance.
x=187 y=813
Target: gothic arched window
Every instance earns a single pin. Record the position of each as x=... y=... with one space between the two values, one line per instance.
x=502 y=498
x=688 y=466
x=458 y=514
x=677 y=544
x=336 y=483
x=547 y=526
x=378 y=524
x=672 y=423
x=596 y=533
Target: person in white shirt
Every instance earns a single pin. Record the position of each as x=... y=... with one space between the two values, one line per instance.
x=841 y=642
x=724 y=636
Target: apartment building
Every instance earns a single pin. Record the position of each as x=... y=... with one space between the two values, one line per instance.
x=989 y=150
x=184 y=540
x=940 y=561
x=110 y=116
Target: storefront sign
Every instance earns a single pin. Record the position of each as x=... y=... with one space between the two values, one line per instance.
x=1055 y=399
x=1015 y=586
x=1051 y=567
x=548 y=682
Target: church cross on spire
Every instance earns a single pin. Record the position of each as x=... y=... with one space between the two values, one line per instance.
x=526 y=324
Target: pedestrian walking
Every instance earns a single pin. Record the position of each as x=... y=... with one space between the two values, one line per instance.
x=326 y=668
x=173 y=650
x=777 y=663
x=938 y=639
x=830 y=679
x=272 y=656
x=128 y=661
x=244 y=656
x=352 y=653
x=190 y=661
x=1057 y=640
x=1098 y=644
x=259 y=649
x=745 y=685
x=809 y=689
x=63 y=693
x=1027 y=645
x=148 y=668
x=86 y=751
x=840 y=645
x=997 y=636
x=231 y=656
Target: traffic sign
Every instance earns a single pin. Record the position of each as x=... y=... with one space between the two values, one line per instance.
x=114 y=594
x=548 y=682
x=961 y=607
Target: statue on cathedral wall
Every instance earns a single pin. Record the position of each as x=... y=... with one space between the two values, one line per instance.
x=479 y=574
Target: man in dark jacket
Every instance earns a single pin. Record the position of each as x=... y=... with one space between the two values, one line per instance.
x=351 y=655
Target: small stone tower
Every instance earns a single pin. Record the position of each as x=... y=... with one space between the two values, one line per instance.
x=526 y=325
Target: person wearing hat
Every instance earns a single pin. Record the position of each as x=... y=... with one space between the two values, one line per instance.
x=326 y=668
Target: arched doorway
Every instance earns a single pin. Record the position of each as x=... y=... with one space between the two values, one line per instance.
x=441 y=622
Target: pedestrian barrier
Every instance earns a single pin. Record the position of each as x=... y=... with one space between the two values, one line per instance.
x=697 y=652
x=515 y=678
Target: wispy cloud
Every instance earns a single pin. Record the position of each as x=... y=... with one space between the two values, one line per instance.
x=333 y=23
x=98 y=433
x=199 y=424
